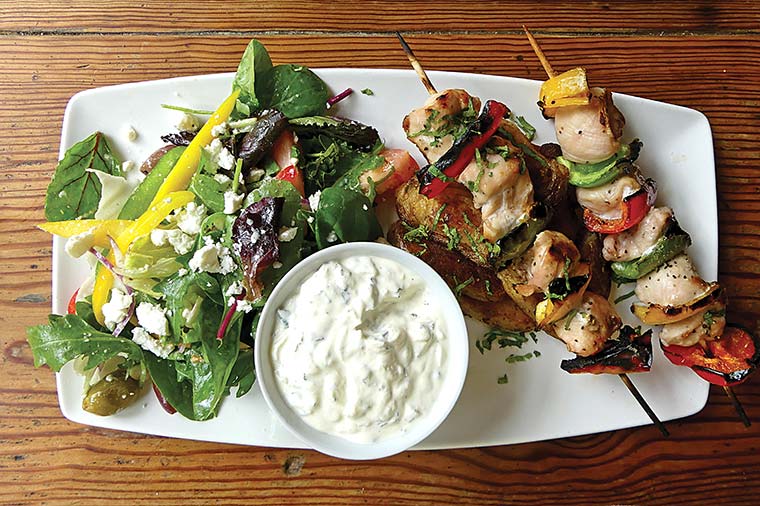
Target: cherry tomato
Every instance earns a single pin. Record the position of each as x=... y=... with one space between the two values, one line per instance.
x=293 y=175
x=398 y=168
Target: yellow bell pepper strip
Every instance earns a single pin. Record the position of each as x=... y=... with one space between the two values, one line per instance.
x=183 y=171
x=101 y=289
x=102 y=229
x=565 y=89
x=153 y=217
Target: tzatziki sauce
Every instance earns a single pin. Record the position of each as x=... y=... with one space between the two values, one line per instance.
x=359 y=350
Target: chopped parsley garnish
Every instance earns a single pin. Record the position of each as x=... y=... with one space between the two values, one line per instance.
x=625 y=296
x=709 y=317
x=528 y=129
x=507 y=338
x=368 y=92
x=453 y=237
x=461 y=286
x=488 y=287
x=440 y=175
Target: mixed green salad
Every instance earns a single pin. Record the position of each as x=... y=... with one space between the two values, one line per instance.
x=183 y=259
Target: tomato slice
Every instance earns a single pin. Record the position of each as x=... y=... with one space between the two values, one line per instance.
x=72 y=308
x=294 y=176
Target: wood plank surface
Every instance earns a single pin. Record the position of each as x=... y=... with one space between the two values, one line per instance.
x=50 y=50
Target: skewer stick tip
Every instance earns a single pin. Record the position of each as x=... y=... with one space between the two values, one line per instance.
x=416 y=65
x=737 y=406
x=539 y=53
x=643 y=403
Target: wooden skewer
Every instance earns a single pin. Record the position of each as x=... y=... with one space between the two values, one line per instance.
x=731 y=395
x=416 y=65
x=737 y=406
x=624 y=377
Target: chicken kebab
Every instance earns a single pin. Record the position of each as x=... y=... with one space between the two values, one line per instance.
x=493 y=214
x=643 y=242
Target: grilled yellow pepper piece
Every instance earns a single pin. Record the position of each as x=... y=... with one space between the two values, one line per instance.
x=565 y=89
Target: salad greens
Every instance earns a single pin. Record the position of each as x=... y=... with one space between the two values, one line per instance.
x=75 y=190
x=184 y=302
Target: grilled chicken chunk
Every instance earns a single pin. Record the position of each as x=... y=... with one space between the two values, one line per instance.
x=674 y=283
x=688 y=332
x=590 y=133
x=434 y=126
x=551 y=256
x=605 y=201
x=586 y=330
x=481 y=294
x=632 y=243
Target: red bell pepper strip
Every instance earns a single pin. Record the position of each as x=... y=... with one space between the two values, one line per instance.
x=435 y=177
x=630 y=352
x=726 y=362
x=634 y=208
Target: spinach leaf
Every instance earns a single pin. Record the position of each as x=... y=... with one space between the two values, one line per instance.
x=243 y=374
x=173 y=388
x=254 y=64
x=74 y=191
x=209 y=190
x=295 y=90
x=329 y=160
x=184 y=292
x=68 y=337
x=344 y=215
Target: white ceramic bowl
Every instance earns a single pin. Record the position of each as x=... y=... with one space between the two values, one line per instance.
x=454 y=376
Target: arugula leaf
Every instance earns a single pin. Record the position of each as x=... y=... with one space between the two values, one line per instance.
x=344 y=215
x=183 y=292
x=68 y=337
x=295 y=90
x=254 y=64
x=209 y=190
x=74 y=191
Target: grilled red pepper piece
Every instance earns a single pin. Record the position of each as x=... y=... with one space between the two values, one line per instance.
x=72 y=308
x=630 y=352
x=634 y=208
x=725 y=362
x=435 y=177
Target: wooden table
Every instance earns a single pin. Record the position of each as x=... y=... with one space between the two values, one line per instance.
x=704 y=55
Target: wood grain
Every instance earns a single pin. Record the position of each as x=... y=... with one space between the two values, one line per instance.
x=44 y=459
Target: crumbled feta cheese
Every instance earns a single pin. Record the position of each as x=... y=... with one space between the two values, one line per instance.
x=117 y=308
x=188 y=123
x=78 y=245
x=151 y=344
x=243 y=306
x=277 y=265
x=314 y=200
x=287 y=234
x=364 y=206
x=130 y=133
x=254 y=175
x=232 y=202
x=190 y=217
x=128 y=166
x=235 y=288
x=182 y=272
x=219 y=130
x=332 y=237
x=220 y=155
x=221 y=178
x=180 y=241
x=152 y=318
x=213 y=258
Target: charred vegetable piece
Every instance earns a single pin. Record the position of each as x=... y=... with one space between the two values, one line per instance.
x=633 y=209
x=259 y=141
x=672 y=243
x=726 y=361
x=353 y=132
x=434 y=178
x=254 y=237
x=566 y=89
x=111 y=394
x=630 y=352
x=591 y=175
x=519 y=240
x=182 y=138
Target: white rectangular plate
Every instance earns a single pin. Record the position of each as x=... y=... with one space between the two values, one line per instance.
x=540 y=401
